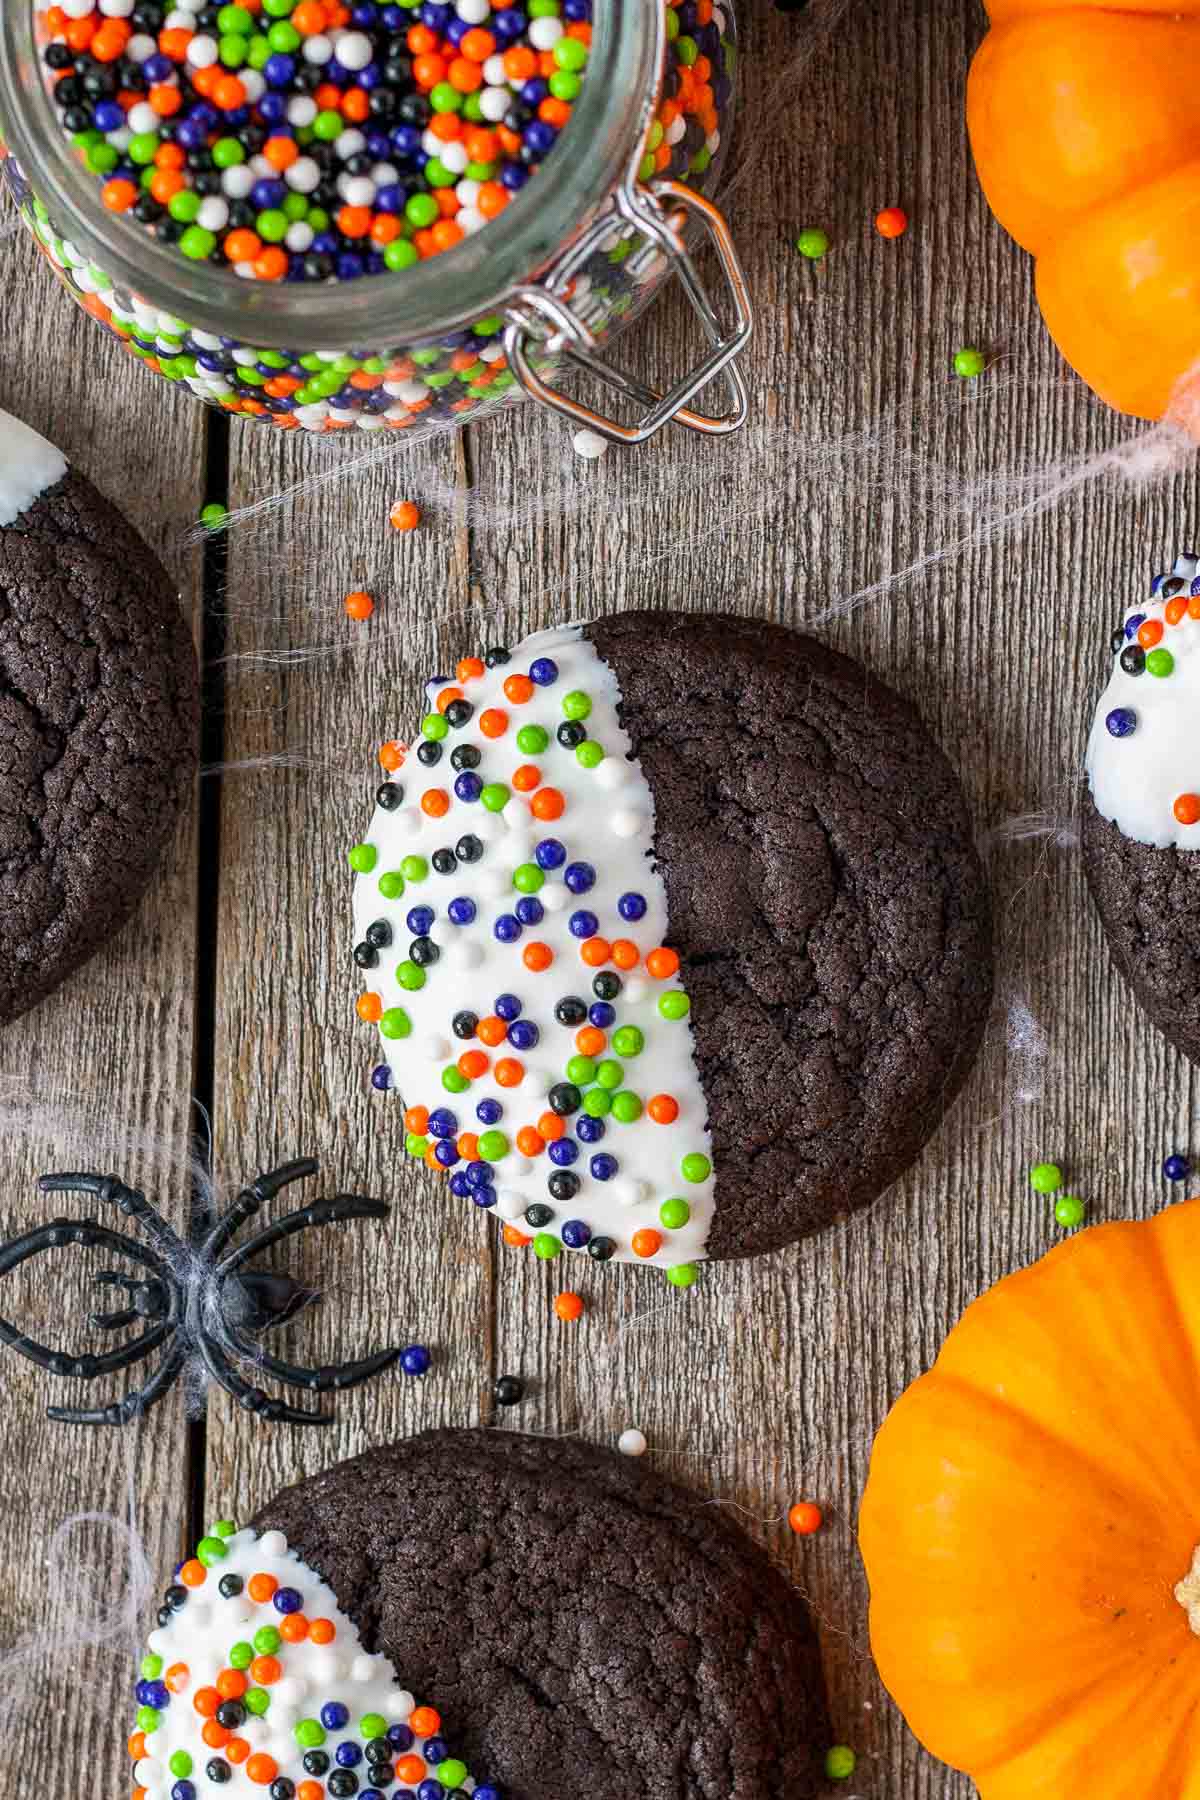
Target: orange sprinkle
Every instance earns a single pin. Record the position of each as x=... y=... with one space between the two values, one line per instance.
x=493 y=723
x=369 y=1008
x=293 y=1628
x=136 y=1746
x=645 y=1242
x=473 y=1064
x=118 y=196
x=214 y=1735
x=193 y=1574
x=435 y=803
x=177 y=1677
x=232 y=1684
x=470 y=668
x=266 y=1670
x=426 y=1721
x=509 y=1072
x=1194 y=607
x=530 y=1142
x=467 y=1145
x=491 y=1031
x=206 y=1701
x=262 y=1769
x=663 y=1109
x=359 y=605
x=516 y=1240
x=404 y=515
x=552 y=1127
x=892 y=222
x=595 y=952
x=391 y=756
x=591 y=1041
x=625 y=954
x=1150 y=633
x=310 y=1790
x=262 y=1588
x=547 y=804
x=416 y=1119
x=526 y=778
x=519 y=689
x=322 y=1631
x=805 y=1518
x=568 y=1307
x=1187 y=809
x=237 y=1750
x=662 y=963
x=537 y=957
x=1176 y=609
x=447 y=695
x=410 y=1769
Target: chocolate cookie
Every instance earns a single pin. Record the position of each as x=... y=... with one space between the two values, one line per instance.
x=581 y=1625
x=99 y=718
x=1141 y=815
x=676 y=937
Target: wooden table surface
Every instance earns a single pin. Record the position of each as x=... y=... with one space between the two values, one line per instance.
x=234 y=987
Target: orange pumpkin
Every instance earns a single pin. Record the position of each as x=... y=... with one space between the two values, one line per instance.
x=1078 y=113
x=1031 y=1521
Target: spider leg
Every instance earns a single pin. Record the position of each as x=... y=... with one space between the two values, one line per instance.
x=261 y=1189
x=60 y=1234
x=115 y=1193
x=134 y=1405
x=320 y=1212
x=252 y=1398
x=148 y=1300
x=115 y=1321
x=332 y=1379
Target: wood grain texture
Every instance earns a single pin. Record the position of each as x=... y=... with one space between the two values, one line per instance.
x=110 y=1052
x=768 y=1380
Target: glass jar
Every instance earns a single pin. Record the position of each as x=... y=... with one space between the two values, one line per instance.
x=569 y=262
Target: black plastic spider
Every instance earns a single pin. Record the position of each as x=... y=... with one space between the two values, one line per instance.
x=196 y=1301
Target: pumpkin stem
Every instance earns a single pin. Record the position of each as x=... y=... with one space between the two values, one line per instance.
x=1187 y=1592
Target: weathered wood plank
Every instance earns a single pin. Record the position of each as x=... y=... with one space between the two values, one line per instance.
x=115 y=1044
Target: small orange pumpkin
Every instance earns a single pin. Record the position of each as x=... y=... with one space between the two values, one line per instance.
x=1031 y=1521
x=1079 y=114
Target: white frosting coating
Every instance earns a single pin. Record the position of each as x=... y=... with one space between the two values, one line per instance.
x=28 y=466
x=1137 y=778
x=195 y=1651
x=608 y=822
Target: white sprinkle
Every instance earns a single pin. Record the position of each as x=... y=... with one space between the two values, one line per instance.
x=589 y=444
x=631 y=1443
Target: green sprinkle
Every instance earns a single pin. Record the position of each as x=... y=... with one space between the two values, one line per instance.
x=812 y=243
x=626 y=1107
x=493 y=1146
x=674 y=1213
x=674 y=1004
x=363 y=858
x=266 y=1640
x=152 y=1666
x=415 y=1144
x=1160 y=662
x=682 y=1274
x=576 y=704
x=391 y=885
x=969 y=363
x=242 y=1655
x=597 y=1102
x=452 y=1773
x=214 y=515
x=227 y=153
x=454 y=1081
x=532 y=740
x=590 y=754
x=610 y=1074
x=401 y=254
x=328 y=125
x=495 y=796
x=197 y=243
x=1069 y=1211
x=180 y=1764
x=395 y=1023
x=148 y=1720
x=695 y=1167
x=546 y=1246
x=372 y=1725
x=840 y=1762
x=581 y=1070
x=569 y=53
x=419 y=209
x=210 y=1550
x=411 y=976
x=434 y=726
x=224 y=1528
x=310 y=1734
x=414 y=868
x=528 y=878
x=628 y=1041
x=256 y=1700
x=1045 y=1178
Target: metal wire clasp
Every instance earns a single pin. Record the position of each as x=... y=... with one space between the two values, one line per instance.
x=549 y=316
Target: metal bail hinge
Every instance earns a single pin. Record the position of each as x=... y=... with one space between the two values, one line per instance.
x=544 y=317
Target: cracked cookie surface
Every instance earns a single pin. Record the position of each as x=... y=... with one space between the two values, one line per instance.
x=827 y=902
x=99 y=720
x=582 y=1625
